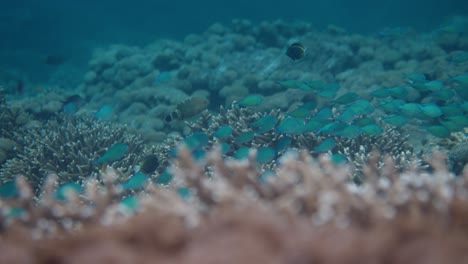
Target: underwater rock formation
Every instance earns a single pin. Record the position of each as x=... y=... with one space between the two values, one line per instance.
x=228 y=62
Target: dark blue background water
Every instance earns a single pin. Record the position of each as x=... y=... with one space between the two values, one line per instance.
x=32 y=29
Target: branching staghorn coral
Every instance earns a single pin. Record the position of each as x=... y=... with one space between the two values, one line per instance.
x=356 y=150
x=320 y=190
x=300 y=185
x=51 y=215
x=69 y=147
x=306 y=211
x=99 y=201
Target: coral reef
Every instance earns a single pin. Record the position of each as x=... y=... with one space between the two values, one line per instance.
x=458 y=157
x=44 y=105
x=307 y=211
x=228 y=62
x=317 y=160
x=6 y=149
x=69 y=147
x=12 y=119
x=356 y=150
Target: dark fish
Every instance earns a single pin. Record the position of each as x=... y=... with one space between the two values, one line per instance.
x=54 y=60
x=19 y=87
x=75 y=99
x=169 y=118
x=295 y=51
x=150 y=164
x=72 y=104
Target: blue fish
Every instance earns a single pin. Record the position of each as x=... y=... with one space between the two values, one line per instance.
x=225 y=148
x=241 y=153
x=291 y=125
x=130 y=202
x=350 y=131
x=326 y=145
x=196 y=140
x=136 y=181
x=223 y=132
x=8 y=190
x=164 y=178
x=393 y=32
x=265 y=123
x=459 y=57
x=283 y=143
x=338 y=159
x=324 y=114
x=251 y=101
x=162 y=77
x=106 y=112
x=184 y=192
x=114 y=153
x=244 y=137
x=61 y=193
x=265 y=155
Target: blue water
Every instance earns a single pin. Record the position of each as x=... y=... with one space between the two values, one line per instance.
x=30 y=30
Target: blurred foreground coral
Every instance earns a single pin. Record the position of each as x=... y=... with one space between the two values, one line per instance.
x=306 y=211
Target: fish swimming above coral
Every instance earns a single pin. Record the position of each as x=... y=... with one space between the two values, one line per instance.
x=54 y=59
x=393 y=32
x=295 y=51
x=75 y=99
x=113 y=153
x=72 y=103
x=19 y=87
x=459 y=57
x=105 y=113
x=149 y=164
x=188 y=108
x=251 y=101
x=163 y=77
